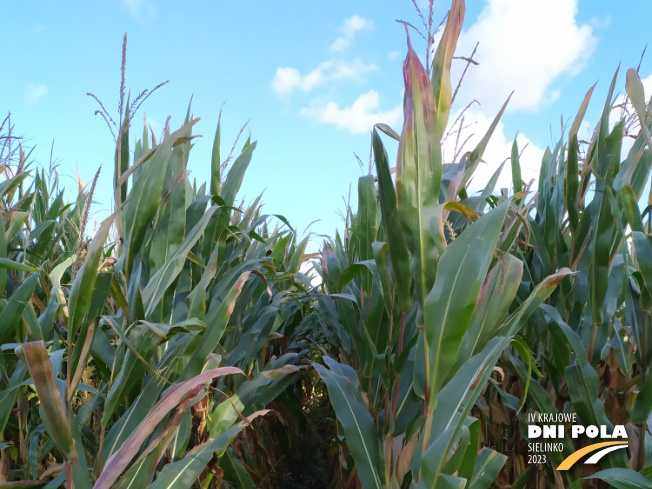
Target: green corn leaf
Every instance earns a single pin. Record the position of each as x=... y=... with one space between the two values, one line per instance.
x=7 y=264
x=181 y=438
x=571 y=183
x=331 y=267
x=629 y=203
x=141 y=342
x=3 y=255
x=254 y=336
x=18 y=218
x=603 y=248
x=215 y=161
x=453 y=408
x=487 y=468
x=184 y=473
x=643 y=403
x=42 y=235
x=83 y=344
x=603 y=129
x=297 y=257
x=234 y=471
x=47 y=318
x=366 y=225
x=9 y=395
x=13 y=311
x=583 y=383
x=381 y=255
x=171 y=223
x=398 y=252
x=9 y=185
x=236 y=175
x=81 y=291
x=121 y=160
x=346 y=397
x=171 y=268
x=450 y=305
x=496 y=295
x=263 y=388
x=32 y=324
x=462 y=447
x=469 y=462
x=478 y=203
x=351 y=272
x=80 y=472
x=459 y=395
x=197 y=297
x=643 y=252
x=577 y=122
x=623 y=478
x=145 y=195
x=216 y=323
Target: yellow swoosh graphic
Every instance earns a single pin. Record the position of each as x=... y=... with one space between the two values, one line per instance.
x=571 y=459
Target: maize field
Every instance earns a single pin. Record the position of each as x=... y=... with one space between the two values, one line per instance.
x=182 y=344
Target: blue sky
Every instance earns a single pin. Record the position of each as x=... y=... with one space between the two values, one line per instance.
x=311 y=78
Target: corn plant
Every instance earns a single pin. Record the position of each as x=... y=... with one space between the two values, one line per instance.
x=420 y=298
x=591 y=341
x=138 y=364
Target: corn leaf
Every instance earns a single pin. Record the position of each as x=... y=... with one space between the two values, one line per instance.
x=622 y=478
x=81 y=291
x=56 y=421
x=184 y=473
x=346 y=397
x=398 y=252
x=13 y=311
x=145 y=196
x=171 y=268
x=441 y=65
x=190 y=388
x=450 y=305
x=418 y=172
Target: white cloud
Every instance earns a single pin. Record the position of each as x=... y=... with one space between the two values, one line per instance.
x=524 y=46
x=357 y=118
x=287 y=80
x=348 y=30
x=354 y=24
x=394 y=55
x=365 y=110
x=143 y=10
x=339 y=44
x=498 y=150
x=34 y=92
x=500 y=144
